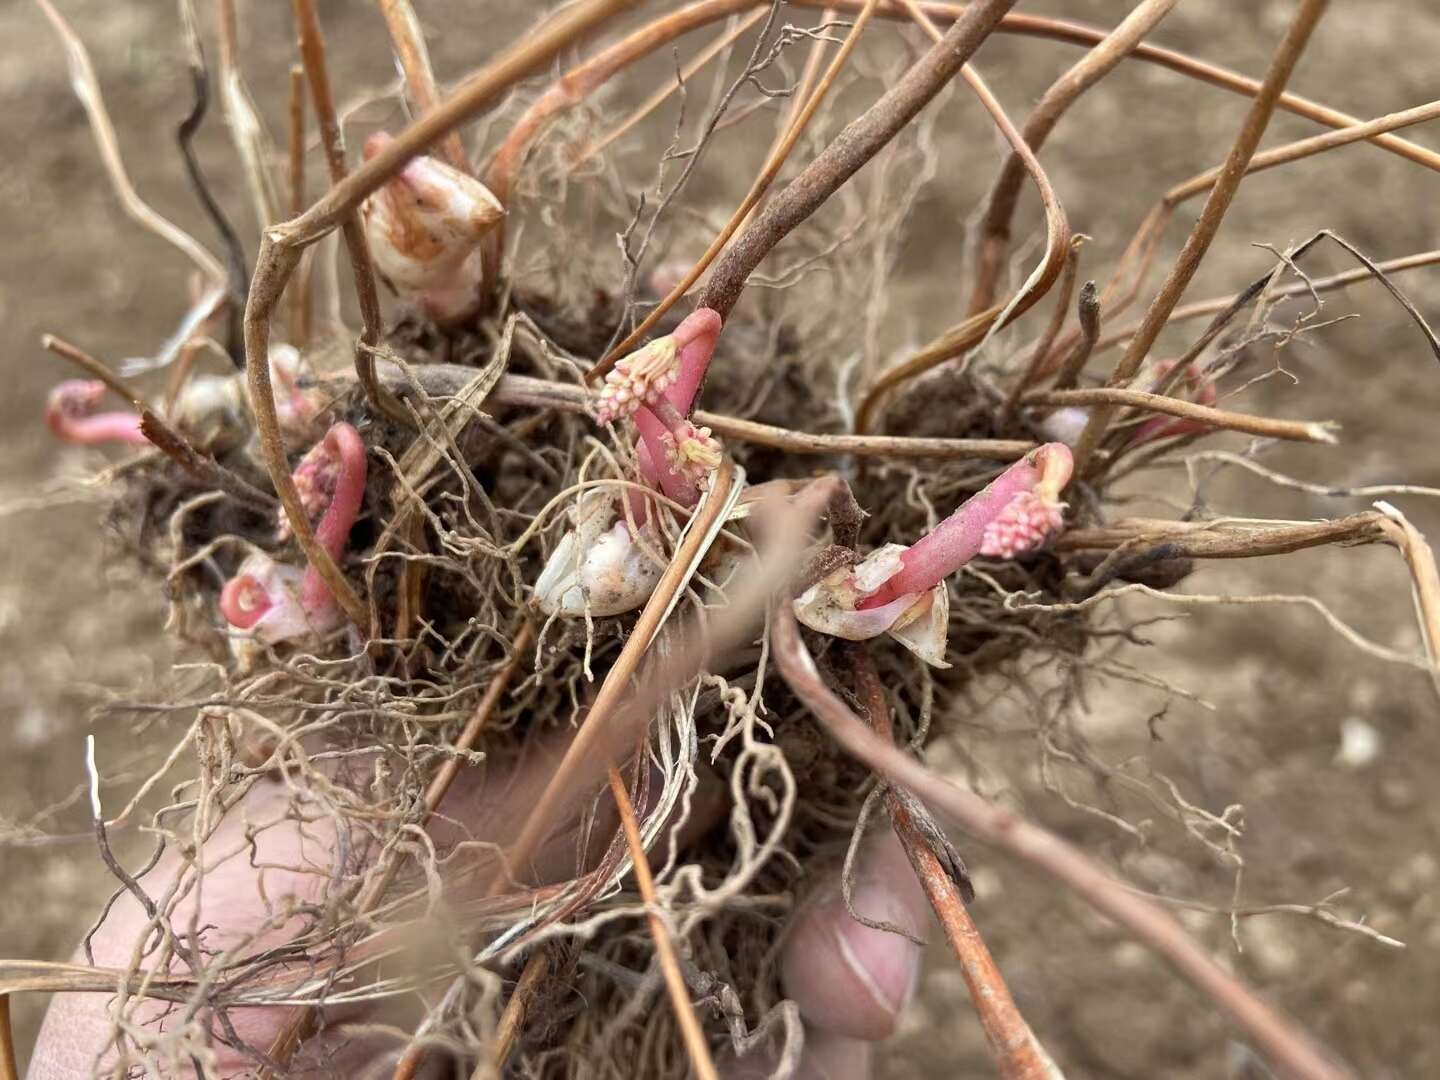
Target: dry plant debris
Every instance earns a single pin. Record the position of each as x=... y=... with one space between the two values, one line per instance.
x=474 y=546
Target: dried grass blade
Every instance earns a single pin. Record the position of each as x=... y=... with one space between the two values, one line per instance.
x=87 y=90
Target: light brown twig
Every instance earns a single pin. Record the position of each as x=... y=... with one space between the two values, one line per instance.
x=1288 y=1047
x=299 y=314
x=1018 y=1054
x=1287 y=54
x=312 y=52
x=1319 y=431
x=696 y=1047
x=409 y=41
x=8 y=1069
x=1064 y=92
x=758 y=188
x=443 y=380
x=513 y=1018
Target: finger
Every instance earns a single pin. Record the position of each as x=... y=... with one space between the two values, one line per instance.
x=846 y=978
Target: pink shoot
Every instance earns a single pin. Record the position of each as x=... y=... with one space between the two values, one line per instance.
x=264 y=597
x=70 y=414
x=1014 y=514
x=656 y=386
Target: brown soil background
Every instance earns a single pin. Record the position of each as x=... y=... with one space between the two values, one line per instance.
x=74 y=633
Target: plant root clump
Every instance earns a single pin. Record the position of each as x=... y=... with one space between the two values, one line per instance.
x=450 y=461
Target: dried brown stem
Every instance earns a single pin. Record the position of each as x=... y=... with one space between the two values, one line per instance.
x=1005 y=194
x=1303 y=148
x=1110 y=397
x=669 y=89
x=299 y=313
x=1074 y=33
x=1031 y=374
x=312 y=53
x=1201 y=308
x=165 y=438
x=1277 y=1038
x=409 y=42
x=1231 y=539
x=201 y=466
x=507 y=1032
x=757 y=191
x=1018 y=1054
x=282 y=247
x=1088 y=312
x=302 y=1021
x=860 y=141
x=443 y=380
x=8 y=1069
x=701 y=1064
x=1198 y=243
x=95 y=368
x=1420 y=557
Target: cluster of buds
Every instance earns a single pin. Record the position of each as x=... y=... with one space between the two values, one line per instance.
x=424 y=227
x=600 y=566
x=272 y=602
x=655 y=387
x=901 y=591
x=1067 y=424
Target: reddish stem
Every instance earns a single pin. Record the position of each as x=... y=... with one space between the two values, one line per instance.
x=70 y=415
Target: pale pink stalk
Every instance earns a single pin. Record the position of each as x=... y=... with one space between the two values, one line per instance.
x=263 y=595
x=70 y=414
x=1016 y=511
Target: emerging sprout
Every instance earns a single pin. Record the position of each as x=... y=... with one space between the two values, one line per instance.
x=901 y=591
x=424 y=227
x=274 y=602
x=656 y=387
x=71 y=414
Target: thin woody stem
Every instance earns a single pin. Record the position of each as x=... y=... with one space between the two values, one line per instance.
x=1198 y=243
x=1287 y=1046
x=1064 y=92
x=312 y=53
x=447 y=379
x=409 y=43
x=507 y=1032
x=701 y=1063
x=1074 y=33
x=776 y=161
x=1109 y=397
x=299 y=313
x=1018 y=1054
x=849 y=151
x=1201 y=308
x=671 y=87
